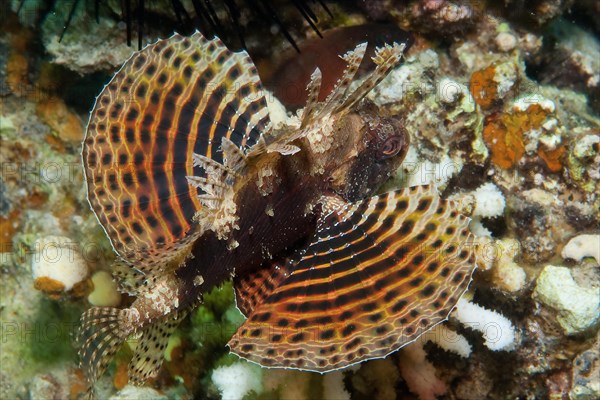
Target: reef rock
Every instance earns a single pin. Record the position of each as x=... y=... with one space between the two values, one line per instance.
x=578 y=308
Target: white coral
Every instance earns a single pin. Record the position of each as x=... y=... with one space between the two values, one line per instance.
x=58 y=258
x=582 y=246
x=498 y=331
x=449 y=340
x=577 y=308
x=237 y=380
x=489 y=201
x=507 y=274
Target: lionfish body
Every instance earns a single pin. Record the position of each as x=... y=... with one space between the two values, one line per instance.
x=193 y=185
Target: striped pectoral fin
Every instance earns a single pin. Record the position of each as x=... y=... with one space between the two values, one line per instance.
x=378 y=274
x=129 y=279
x=175 y=98
x=150 y=349
x=251 y=290
x=101 y=333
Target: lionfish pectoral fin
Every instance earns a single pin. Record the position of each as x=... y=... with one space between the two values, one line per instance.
x=149 y=352
x=218 y=180
x=101 y=333
x=175 y=98
x=252 y=289
x=377 y=274
x=128 y=278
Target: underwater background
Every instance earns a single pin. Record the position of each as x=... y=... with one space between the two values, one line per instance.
x=501 y=100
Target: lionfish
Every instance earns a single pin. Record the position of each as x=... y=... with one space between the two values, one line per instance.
x=194 y=185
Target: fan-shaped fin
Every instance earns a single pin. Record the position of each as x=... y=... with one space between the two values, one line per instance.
x=150 y=350
x=175 y=98
x=252 y=289
x=129 y=279
x=101 y=333
x=378 y=274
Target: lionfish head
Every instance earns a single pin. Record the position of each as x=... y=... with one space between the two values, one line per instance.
x=373 y=152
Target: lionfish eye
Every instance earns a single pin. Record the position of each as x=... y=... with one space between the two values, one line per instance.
x=391 y=146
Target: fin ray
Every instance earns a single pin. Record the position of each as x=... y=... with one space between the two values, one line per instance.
x=101 y=333
x=353 y=60
x=252 y=289
x=149 y=352
x=313 y=89
x=386 y=58
x=337 y=102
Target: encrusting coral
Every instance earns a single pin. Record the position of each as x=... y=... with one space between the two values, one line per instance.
x=105 y=292
x=578 y=308
x=237 y=380
x=419 y=373
x=582 y=246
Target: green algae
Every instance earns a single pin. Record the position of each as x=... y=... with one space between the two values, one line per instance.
x=51 y=338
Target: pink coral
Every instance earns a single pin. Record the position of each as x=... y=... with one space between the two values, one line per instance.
x=419 y=373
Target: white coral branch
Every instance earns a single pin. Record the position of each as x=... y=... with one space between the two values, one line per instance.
x=449 y=340
x=498 y=331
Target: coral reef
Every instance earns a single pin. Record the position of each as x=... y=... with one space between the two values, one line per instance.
x=141 y=393
x=507 y=274
x=57 y=265
x=573 y=62
x=578 y=307
x=582 y=246
x=498 y=332
x=105 y=293
x=237 y=380
x=419 y=373
x=502 y=109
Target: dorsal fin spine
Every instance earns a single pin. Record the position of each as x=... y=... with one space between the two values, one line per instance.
x=313 y=89
x=386 y=58
x=204 y=162
x=339 y=100
x=338 y=95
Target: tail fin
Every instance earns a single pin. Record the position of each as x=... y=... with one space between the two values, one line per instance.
x=102 y=332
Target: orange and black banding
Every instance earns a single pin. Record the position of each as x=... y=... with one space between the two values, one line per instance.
x=253 y=288
x=172 y=99
x=386 y=270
